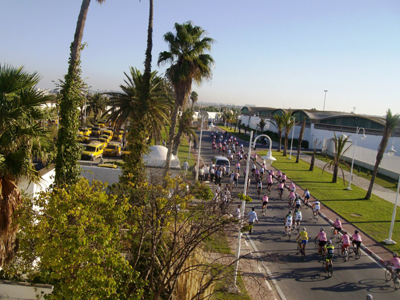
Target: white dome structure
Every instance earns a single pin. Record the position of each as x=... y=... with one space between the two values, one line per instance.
x=157 y=157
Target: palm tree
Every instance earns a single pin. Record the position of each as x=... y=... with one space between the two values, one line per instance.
x=185 y=128
x=261 y=125
x=300 y=139
x=279 y=124
x=97 y=105
x=288 y=123
x=194 y=97
x=340 y=150
x=391 y=122
x=68 y=150
x=19 y=112
x=130 y=105
x=188 y=63
x=314 y=154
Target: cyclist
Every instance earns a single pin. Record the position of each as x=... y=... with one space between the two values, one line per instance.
x=337 y=225
x=280 y=189
x=329 y=249
x=278 y=175
x=292 y=187
x=269 y=182
x=356 y=240
x=302 y=239
x=297 y=217
x=264 y=203
x=283 y=177
x=395 y=263
x=252 y=216
x=291 y=197
x=288 y=222
x=316 y=208
x=306 y=196
x=321 y=236
x=298 y=201
x=346 y=241
x=259 y=188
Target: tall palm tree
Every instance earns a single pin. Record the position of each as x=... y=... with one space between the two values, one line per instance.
x=340 y=150
x=194 y=97
x=189 y=63
x=261 y=125
x=185 y=128
x=127 y=103
x=68 y=151
x=300 y=139
x=19 y=112
x=288 y=122
x=280 y=125
x=391 y=122
x=96 y=104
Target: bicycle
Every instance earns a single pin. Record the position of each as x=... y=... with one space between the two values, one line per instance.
x=300 y=250
x=356 y=250
x=264 y=210
x=330 y=266
x=289 y=234
x=392 y=275
x=315 y=216
x=280 y=194
x=345 y=255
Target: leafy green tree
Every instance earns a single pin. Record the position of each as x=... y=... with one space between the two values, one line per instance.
x=20 y=128
x=73 y=239
x=188 y=63
x=96 y=104
x=340 y=150
x=68 y=150
x=391 y=122
x=194 y=97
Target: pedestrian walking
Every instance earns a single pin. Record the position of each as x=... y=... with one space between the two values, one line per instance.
x=252 y=217
x=185 y=167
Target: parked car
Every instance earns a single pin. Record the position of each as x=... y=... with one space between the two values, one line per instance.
x=92 y=151
x=112 y=150
x=220 y=161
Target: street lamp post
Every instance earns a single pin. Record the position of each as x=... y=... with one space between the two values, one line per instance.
x=325 y=98
x=268 y=160
x=389 y=240
x=291 y=143
x=203 y=115
x=354 y=152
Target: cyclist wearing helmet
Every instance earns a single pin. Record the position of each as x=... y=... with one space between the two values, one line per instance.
x=297 y=217
x=346 y=241
x=302 y=239
x=395 y=263
x=329 y=249
x=288 y=222
x=356 y=240
x=321 y=236
x=370 y=297
x=337 y=225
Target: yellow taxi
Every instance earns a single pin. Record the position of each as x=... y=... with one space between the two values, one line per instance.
x=117 y=136
x=96 y=131
x=125 y=151
x=112 y=150
x=106 y=137
x=92 y=151
x=108 y=133
x=111 y=166
x=85 y=132
x=83 y=139
x=101 y=124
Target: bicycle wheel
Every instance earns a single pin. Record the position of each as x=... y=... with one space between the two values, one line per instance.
x=332 y=233
x=289 y=235
x=316 y=244
x=358 y=253
x=388 y=274
x=396 y=281
x=298 y=248
x=345 y=255
x=330 y=270
x=351 y=250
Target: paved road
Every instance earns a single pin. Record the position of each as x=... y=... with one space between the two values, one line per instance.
x=299 y=279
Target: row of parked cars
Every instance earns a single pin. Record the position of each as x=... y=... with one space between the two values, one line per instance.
x=98 y=141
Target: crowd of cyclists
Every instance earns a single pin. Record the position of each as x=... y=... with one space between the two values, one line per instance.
x=227 y=145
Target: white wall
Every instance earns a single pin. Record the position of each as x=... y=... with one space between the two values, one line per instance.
x=33 y=188
x=12 y=290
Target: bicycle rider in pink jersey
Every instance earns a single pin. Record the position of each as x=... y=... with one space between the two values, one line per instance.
x=394 y=262
x=283 y=177
x=292 y=187
x=356 y=239
x=321 y=236
x=346 y=241
x=292 y=197
x=337 y=225
x=280 y=189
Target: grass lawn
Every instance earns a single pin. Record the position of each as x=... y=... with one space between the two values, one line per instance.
x=222 y=294
x=382 y=180
x=376 y=213
x=218 y=243
x=242 y=135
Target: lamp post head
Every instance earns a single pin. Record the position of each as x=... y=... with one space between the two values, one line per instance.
x=363 y=137
x=268 y=159
x=391 y=152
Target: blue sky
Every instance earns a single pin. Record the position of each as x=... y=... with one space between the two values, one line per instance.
x=278 y=53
